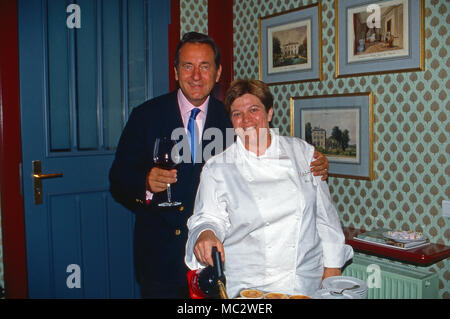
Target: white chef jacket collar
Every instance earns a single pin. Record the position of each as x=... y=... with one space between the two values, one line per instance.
x=271 y=151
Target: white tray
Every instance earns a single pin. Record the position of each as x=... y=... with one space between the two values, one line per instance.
x=389 y=245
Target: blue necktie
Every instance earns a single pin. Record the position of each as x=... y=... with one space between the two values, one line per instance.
x=192 y=132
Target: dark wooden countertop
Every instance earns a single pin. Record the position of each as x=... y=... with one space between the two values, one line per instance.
x=421 y=256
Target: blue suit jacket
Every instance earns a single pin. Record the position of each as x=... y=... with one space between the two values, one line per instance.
x=160 y=233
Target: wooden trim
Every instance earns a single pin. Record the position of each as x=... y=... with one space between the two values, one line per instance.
x=174 y=38
x=220 y=28
x=12 y=209
x=421 y=256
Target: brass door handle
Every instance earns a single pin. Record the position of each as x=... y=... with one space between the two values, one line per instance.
x=45 y=176
x=37 y=180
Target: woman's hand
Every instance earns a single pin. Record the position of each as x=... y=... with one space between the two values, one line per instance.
x=320 y=166
x=330 y=272
x=203 y=247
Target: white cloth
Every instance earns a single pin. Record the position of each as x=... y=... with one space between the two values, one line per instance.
x=277 y=223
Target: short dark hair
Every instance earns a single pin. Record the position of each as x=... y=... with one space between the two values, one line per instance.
x=255 y=87
x=195 y=37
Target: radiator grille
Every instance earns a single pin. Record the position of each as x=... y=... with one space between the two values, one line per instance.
x=394 y=281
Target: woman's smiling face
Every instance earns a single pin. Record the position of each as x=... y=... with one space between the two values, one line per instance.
x=251 y=122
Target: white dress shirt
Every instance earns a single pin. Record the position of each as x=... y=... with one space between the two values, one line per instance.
x=276 y=221
x=185 y=110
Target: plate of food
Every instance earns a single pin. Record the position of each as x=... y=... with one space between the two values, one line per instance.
x=404 y=236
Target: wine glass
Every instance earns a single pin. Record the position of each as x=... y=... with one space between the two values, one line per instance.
x=166 y=158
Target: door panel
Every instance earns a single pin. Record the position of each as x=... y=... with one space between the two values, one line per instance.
x=58 y=76
x=77 y=88
x=86 y=76
x=136 y=51
x=112 y=97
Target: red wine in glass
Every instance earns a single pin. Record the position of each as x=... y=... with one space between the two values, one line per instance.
x=165 y=157
x=166 y=163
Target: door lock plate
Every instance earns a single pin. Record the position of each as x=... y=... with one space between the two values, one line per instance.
x=37 y=180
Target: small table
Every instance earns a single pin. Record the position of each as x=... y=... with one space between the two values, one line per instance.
x=421 y=256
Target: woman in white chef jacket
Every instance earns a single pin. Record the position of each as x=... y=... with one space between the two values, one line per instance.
x=257 y=202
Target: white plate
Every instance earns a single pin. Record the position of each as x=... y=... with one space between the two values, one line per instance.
x=326 y=294
x=337 y=283
x=403 y=240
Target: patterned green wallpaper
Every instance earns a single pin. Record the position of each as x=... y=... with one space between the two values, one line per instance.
x=193 y=16
x=411 y=126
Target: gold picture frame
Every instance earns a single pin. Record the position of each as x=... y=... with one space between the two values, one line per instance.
x=290 y=46
x=379 y=37
x=318 y=115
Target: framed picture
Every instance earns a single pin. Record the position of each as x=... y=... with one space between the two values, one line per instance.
x=340 y=127
x=376 y=37
x=290 y=46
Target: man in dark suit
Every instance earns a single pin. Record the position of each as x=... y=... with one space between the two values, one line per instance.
x=161 y=232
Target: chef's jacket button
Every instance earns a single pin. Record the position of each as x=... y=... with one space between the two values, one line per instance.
x=177 y=232
x=267 y=224
x=181 y=208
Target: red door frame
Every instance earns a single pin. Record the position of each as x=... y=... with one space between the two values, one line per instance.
x=12 y=209
x=220 y=28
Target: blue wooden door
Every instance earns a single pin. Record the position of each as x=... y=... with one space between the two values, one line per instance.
x=82 y=70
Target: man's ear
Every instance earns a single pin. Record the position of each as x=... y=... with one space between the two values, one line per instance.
x=219 y=72
x=176 y=72
x=270 y=114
